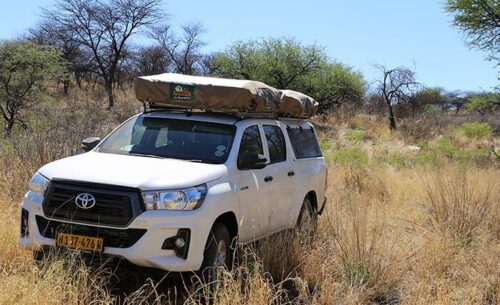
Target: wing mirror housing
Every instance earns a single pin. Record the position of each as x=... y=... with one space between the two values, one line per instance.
x=89 y=143
x=250 y=160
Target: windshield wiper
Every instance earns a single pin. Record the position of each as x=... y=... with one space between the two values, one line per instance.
x=146 y=155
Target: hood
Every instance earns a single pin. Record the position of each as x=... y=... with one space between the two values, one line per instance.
x=141 y=172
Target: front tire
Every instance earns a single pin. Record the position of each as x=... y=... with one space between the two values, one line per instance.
x=217 y=255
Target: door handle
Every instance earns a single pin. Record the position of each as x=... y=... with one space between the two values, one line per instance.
x=291 y=173
x=268 y=179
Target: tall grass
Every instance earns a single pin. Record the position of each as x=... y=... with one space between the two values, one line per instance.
x=460 y=203
x=425 y=232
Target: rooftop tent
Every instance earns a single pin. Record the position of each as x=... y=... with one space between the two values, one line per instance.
x=206 y=93
x=296 y=104
x=219 y=94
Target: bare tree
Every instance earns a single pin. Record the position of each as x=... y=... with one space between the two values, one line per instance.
x=396 y=87
x=206 y=64
x=152 y=60
x=105 y=27
x=184 y=51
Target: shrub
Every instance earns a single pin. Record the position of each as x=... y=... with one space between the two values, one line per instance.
x=477 y=130
x=356 y=135
x=448 y=148
x=350 y=156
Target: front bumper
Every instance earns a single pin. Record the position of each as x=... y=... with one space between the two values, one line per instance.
x=147 y=251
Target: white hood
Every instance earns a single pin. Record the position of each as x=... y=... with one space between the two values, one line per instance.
x=145 y=173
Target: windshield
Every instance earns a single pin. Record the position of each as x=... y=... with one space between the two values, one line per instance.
x=170 y=138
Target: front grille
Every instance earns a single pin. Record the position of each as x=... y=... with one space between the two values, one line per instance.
x=115 y=206
x=117 y=238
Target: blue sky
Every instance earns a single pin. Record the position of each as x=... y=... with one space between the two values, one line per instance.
x=417 y=33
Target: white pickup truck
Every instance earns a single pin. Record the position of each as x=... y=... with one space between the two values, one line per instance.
x=171 y=190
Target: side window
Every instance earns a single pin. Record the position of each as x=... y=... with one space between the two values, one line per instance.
x=275 y=143
x=250 y=141
x=304 y=142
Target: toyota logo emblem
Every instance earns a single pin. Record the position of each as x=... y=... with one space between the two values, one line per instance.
x=85 y=201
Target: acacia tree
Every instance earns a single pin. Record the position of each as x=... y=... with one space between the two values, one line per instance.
x=282 y=63
x=184 y=51
x=287 y=64
x=480 y=20
x=396 y=87
x=334 y=85
x=24 y=69
x=64 y=39
x=104 y=27
x=484 y=102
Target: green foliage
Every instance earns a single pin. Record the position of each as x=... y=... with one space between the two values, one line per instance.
x=356 y=135
x=430 y=109
x=482 y=155
x=277 y=62
x=427 y=158
x=480 y=20
x=334 y=84
x=25 y=68
x=288 y=64
x=483 y=103
x=427 y=101
x=355 y=156
x=359 y=273
x=477 y=130
x=447 y=148
x=326 y=144
x=396 y=160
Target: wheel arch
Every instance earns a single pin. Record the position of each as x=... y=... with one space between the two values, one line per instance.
x=229 y=220
x=313 y=198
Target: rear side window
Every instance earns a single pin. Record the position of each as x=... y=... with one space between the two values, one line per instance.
x=275 y=143
x=304 y=142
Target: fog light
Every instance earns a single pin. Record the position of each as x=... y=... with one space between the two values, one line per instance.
x=180 y=242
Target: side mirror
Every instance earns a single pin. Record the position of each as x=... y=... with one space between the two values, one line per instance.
x=89 y=143
x=250 y=160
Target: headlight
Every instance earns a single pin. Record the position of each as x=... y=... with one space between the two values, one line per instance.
x=39 y=184
x=185 y=199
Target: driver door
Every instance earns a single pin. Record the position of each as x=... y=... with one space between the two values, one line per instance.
x=253 y=191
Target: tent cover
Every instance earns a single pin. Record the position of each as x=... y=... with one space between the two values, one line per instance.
x=219 y=94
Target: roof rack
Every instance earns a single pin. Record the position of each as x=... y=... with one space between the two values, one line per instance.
x=152 y=107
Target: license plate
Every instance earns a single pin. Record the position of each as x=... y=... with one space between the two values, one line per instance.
x=79 y=242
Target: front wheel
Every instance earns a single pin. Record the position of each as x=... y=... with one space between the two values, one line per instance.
x=217 y=255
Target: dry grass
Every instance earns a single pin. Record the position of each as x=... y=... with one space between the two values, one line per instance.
x=400 y=228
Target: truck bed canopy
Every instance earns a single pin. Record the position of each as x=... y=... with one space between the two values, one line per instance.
x=219 y=94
